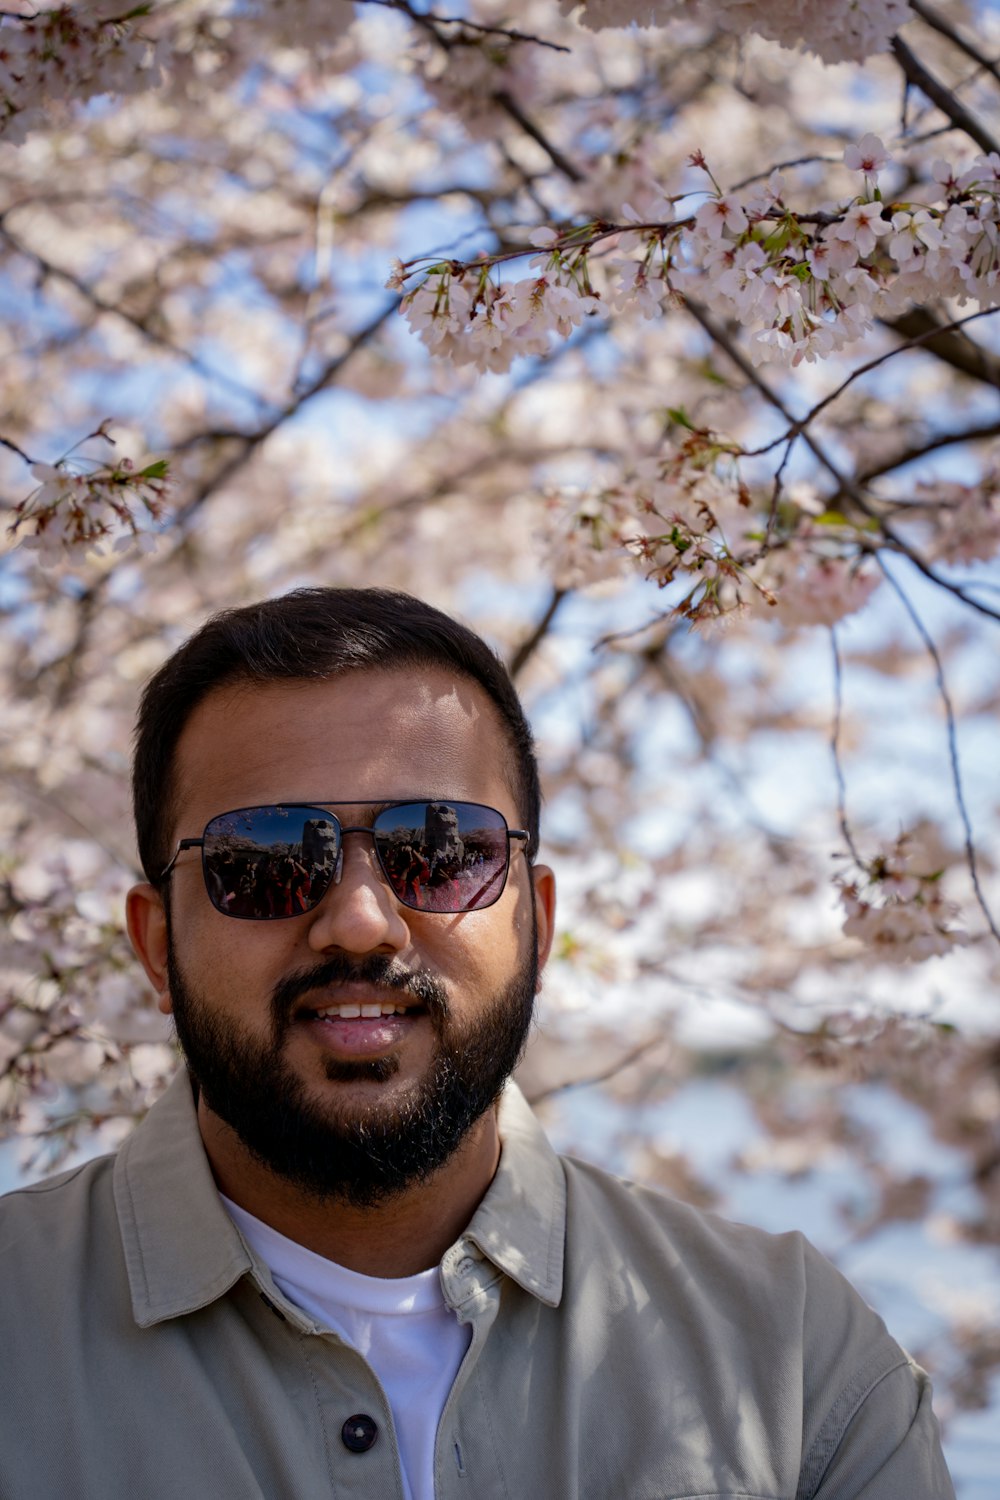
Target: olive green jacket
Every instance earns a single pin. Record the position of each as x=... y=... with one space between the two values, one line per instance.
x=624 y=1347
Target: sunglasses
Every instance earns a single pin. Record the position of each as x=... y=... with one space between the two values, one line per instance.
x=279 y=860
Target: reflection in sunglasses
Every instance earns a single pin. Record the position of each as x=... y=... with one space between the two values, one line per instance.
x=435 y=856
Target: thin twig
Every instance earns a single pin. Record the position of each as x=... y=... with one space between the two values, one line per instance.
x=912 y=341
x=838 y=769
x=772 y=514
x=626 y=1061
x=436 y=20
x=847 y=486
x=252 y=441
x=917 y=74
x=943 y=440
x=111 y=309
x=528 y=647
x=783 y=166
x=955 y=349
x=6 y=443
x=949 y=713
x=880 y=359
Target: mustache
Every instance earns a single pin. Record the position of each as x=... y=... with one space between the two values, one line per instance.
x=376 y=969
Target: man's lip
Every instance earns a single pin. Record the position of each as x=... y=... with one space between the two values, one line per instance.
x=359 y=1037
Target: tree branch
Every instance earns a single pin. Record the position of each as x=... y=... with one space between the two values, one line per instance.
x=565 y=166
x=846 y=485
x=920 y=325
x=6 y=443
x=436 y=20
x=251 y=441
x=528 y=647
x=623 y=1062
x=918 y=339
x=920 y=77
x=949 y=711
x=944 y=440
x=110 y=309
x=838 y=769
x=938 y=23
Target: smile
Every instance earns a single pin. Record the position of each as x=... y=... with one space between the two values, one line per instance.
x=350 y=1011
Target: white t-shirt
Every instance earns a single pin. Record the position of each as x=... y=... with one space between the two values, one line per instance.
x=402 y=1326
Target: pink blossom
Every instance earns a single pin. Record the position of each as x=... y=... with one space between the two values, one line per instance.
x=868 y=156
x=718 y=214
x=823 y=592
x=862 y=225
x=741 y=283
x=913 y=231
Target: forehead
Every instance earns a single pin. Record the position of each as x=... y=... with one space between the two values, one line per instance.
x=360 y=736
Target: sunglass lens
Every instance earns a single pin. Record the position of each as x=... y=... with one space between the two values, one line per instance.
x=443 y=856
x=274 y=861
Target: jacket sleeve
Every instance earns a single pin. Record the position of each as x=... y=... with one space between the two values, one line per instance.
x=869 y=1432
x=891 y=1447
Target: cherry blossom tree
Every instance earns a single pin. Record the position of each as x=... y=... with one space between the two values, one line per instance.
x=660 y=342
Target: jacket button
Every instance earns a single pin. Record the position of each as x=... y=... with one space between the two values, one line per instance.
x=358 y=1433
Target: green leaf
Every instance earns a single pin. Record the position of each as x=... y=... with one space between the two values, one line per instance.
x=678 y=415
x=157 y=470
x=832 y=518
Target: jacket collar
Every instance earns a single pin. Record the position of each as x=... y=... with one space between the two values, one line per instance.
x=521 y=1222
x=183 y=1251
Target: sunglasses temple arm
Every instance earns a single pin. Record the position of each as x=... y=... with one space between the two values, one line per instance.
x=184 y=844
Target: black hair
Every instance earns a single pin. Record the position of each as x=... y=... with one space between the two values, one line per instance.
x=311 y=634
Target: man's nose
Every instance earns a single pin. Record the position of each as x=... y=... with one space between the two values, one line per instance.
x=360 y=913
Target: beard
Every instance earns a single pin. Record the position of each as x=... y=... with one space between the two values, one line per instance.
x=368 y=1154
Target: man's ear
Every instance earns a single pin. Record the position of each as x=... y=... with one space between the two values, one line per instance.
x=147 y=930
x=543 y=882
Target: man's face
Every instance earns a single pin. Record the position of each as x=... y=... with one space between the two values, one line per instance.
x=358 y=1107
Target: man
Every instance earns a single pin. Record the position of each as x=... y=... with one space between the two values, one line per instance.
x=339 y=1257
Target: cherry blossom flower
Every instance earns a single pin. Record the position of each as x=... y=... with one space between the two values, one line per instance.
x=862 y=225
x=896 y=908
x=837 y=30
x=913 y=232
x=821 y=591
x=718 y=214
x=72 y=513
x=868 y=156
x=965 y=517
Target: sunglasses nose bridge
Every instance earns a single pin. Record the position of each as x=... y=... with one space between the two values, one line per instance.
x=374 y=858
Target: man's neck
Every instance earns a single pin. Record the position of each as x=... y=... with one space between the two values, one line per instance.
x=408 y=1233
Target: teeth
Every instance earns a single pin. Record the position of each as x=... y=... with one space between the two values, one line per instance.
x=352 y=1012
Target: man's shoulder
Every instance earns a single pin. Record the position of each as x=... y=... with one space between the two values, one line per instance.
x=52 y=1189
x=614 y=1217
x=43 y=1220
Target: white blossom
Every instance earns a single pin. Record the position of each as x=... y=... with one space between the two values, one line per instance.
x=862 y=225
x=837 y=30
x=896 y=907
x=868 y=156
x=819 y=591
x=71 y=513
